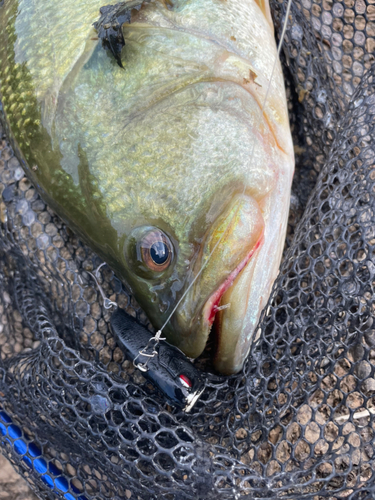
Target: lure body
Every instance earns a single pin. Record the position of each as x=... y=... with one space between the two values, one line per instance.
x=168 y=368
x=165 y=166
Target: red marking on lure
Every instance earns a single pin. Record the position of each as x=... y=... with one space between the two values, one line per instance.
x=185 y=381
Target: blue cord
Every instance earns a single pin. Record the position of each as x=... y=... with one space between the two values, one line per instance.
x=32 y=457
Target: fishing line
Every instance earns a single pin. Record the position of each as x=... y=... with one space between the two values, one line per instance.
x=261 y=116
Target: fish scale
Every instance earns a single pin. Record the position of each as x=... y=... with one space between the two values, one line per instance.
x=51 y=55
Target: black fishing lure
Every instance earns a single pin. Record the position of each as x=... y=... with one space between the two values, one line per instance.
x=167 y=367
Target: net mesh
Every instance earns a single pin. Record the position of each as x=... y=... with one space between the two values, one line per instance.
x=298 y=422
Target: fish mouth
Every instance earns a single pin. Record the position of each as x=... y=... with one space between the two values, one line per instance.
x=227 y=309
x=229 y=249
x=212 y=304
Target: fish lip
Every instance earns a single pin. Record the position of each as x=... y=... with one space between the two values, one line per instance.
x=211 y=306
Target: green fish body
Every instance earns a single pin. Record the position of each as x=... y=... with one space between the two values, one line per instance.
x=165 y=167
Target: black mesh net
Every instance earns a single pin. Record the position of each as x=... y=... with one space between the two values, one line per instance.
x=78 y=421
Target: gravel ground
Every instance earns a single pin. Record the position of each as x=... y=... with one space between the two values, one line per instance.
x=12 y=486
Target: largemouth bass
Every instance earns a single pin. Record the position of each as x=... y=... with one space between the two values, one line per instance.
x=164 y=166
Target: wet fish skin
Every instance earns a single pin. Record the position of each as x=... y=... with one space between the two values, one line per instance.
x=173 y=141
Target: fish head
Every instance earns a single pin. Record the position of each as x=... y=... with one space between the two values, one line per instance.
x=195 y=215
x=212 y=183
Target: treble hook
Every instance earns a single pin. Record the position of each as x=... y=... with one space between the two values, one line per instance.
x=107 y=303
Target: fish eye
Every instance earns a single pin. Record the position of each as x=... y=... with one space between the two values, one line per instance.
x=156 y=250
